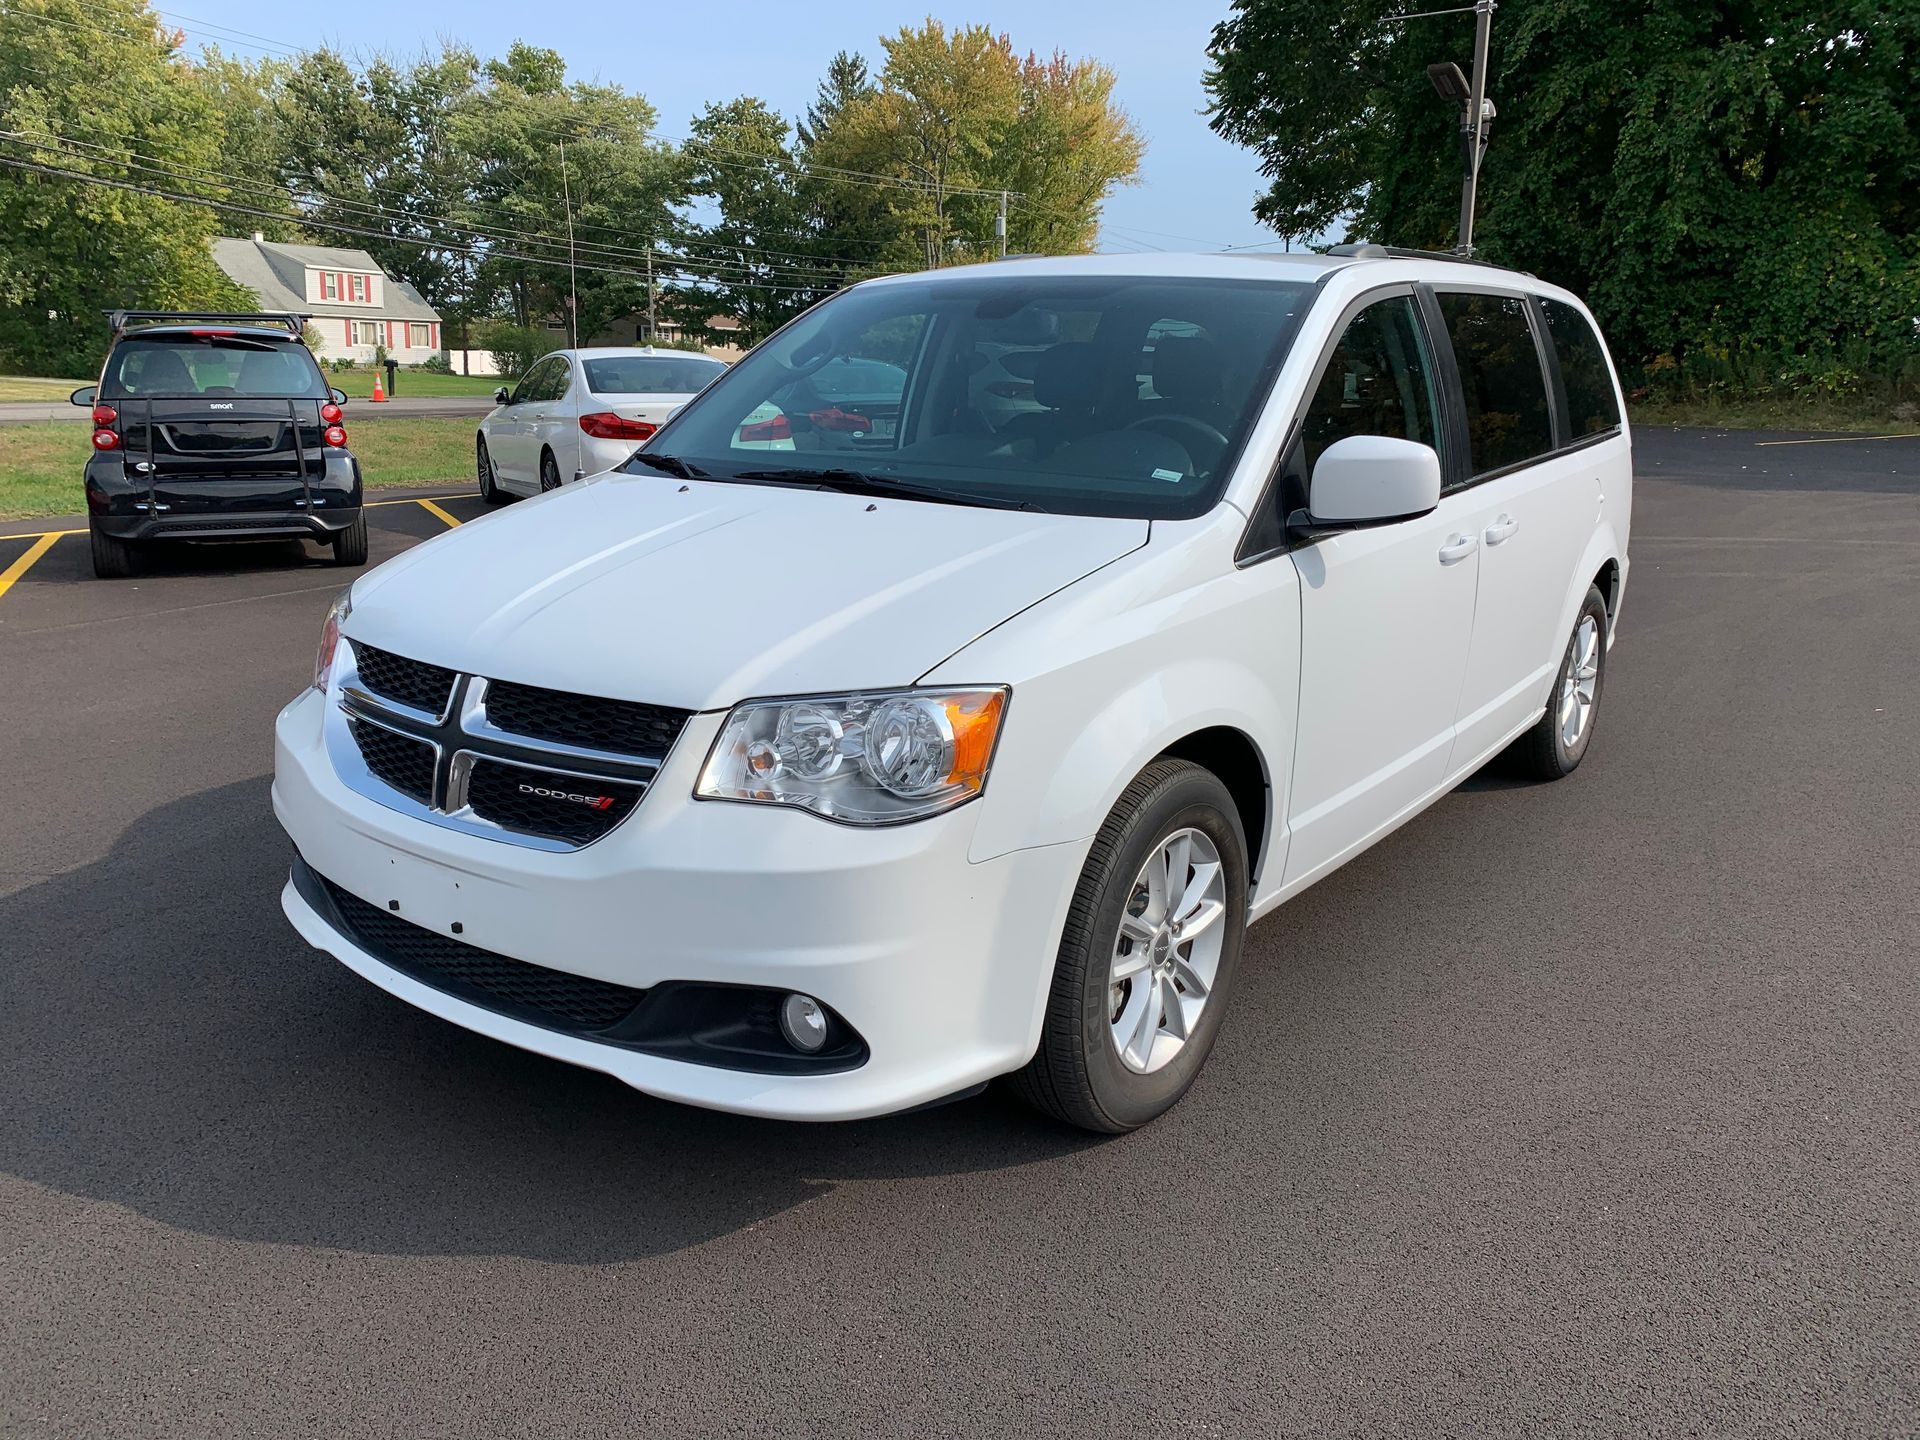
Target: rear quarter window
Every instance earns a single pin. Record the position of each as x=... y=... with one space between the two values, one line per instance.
x=1592 y=406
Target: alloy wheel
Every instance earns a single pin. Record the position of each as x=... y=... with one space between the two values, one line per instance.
x=1167 y=953
x=1578 y=680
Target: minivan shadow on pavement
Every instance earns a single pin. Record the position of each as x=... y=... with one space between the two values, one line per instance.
x=177 y=1049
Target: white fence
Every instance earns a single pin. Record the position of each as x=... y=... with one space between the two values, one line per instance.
x=472 y=362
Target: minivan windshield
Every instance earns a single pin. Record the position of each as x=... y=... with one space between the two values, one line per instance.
x=184 y=366
x=650 y=374
x=1082 y=394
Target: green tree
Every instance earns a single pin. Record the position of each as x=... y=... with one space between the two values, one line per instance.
x=1734 y=186
x=619 y=183
x=71 y=248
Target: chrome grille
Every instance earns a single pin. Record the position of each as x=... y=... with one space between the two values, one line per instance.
x=428 y=741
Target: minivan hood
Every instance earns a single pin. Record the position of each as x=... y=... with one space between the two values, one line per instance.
x=701 y=594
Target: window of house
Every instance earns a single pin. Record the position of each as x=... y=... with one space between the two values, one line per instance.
x=419 y=336
x=368 y=332
x=329 y=285
x=1501 y=379
x=357 y=286
x=1592 y=406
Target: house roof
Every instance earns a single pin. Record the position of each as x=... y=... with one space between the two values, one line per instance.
x=276 y=273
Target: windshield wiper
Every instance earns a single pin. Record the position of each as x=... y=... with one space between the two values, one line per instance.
x=860 y=482
x=672 y=464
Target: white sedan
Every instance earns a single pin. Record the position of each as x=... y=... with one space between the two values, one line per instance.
x=579 y=412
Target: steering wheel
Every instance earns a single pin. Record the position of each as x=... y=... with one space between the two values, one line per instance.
x=1183 y=427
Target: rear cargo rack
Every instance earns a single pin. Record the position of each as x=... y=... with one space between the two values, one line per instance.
x=270 y=319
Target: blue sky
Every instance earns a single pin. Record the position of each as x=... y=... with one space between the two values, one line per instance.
x=1196 y=191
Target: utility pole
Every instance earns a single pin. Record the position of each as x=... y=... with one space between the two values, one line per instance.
x=653 y=329
x=1473 y=126
x=573 y=286
x=1000 y=225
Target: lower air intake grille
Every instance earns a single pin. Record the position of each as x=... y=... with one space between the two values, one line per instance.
x=549 y=998
x=544 y=802
x=404 y=763
x=625 y=727
x=410 y=682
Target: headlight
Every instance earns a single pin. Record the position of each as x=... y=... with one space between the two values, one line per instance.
x=870 y=759
x=330 y=637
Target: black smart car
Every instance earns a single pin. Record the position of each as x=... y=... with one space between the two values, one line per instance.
x=216 y=427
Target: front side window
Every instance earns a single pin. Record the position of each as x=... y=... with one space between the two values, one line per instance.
x=1378 y=381
x=1501 y=379
x=1094 y=395
x=185 y=366
x=1592 y=405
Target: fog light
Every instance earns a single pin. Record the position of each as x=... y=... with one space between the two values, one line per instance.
x=803 y=1022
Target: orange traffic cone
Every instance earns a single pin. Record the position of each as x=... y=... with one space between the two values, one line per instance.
x=379 y=390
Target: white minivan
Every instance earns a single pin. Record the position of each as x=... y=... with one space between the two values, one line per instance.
x=962 y=739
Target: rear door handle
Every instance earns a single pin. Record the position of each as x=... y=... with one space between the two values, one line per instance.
x=1502 y=529
x=1457 y=548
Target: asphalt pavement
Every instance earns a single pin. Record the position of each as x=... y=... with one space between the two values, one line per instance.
x=1578 y=1109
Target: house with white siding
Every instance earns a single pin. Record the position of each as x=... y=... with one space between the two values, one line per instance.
x=354 y=304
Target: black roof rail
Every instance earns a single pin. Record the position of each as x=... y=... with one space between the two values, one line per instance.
x=268 y=319
x=1369 y=250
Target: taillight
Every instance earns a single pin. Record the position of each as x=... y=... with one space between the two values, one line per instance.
x=104 y=415
x=331 y=413
x=778 y=428
x=608 y=426
x=106 y=440
x=335 y=435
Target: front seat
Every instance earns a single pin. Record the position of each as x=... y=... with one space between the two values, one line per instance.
x=160 y=372
x=1189 y=377
x=1066 y=380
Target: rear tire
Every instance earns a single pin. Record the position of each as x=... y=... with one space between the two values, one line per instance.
x=350 y=545
x=1556 y=744
x=490 y=491
x=549 y=471
x=113 y=558
x=1083 y=1072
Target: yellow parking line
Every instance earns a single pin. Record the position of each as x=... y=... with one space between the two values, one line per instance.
x=434 y=509
x=36 y=534
x=25 y=563
x=410 y=499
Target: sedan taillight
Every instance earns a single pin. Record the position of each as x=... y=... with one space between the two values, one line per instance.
x=605 y=425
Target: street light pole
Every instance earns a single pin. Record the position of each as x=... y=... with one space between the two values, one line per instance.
x=1473 y=124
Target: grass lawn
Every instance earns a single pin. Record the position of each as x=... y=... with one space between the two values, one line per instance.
x=359 y=383
x=41 y=465
x=26 y=387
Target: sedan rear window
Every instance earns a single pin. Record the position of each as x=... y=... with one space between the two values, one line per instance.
x=651 y=374
x=183 y=366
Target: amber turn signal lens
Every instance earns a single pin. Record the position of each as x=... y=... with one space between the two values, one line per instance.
x=975 y=722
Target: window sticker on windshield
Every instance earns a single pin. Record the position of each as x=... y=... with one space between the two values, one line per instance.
x=1170 y=475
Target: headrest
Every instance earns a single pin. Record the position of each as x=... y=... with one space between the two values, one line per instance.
x=1187 y=369
x=1065 y=377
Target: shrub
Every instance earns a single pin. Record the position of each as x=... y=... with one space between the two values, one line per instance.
x=437 y=363
x=515 y=347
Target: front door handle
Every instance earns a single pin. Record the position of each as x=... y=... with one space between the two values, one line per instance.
x=1502 y=529
x=1457 y=548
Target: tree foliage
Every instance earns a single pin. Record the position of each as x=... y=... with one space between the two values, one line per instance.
x=70 y=249
x=1733 y=184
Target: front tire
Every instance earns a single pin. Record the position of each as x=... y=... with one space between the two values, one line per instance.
x=490 y=491
x=1147 y=961
x=1557 y=743
x=113 y=558
x=350 y=545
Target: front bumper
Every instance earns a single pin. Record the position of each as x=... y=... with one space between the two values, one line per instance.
x=941 y=966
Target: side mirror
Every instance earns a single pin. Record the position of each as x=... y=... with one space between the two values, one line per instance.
x=1369 y=480
x=339 y=397
x=84 y=395
x=501 y=397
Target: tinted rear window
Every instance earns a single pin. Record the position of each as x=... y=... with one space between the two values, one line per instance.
x=1591 y=404
x=1500 y=378
x=650 y=374
x=190 y=365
